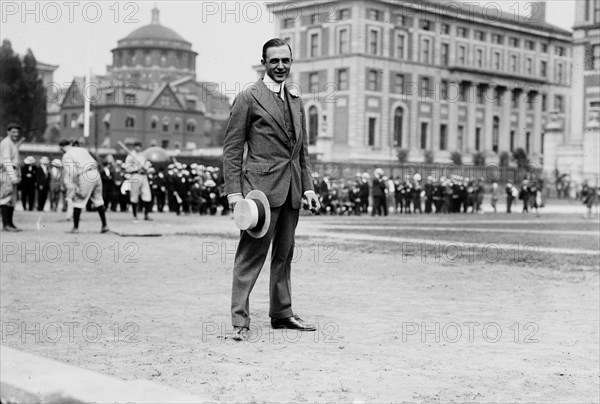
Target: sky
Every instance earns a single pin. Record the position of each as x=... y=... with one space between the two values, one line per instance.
x=228 y=35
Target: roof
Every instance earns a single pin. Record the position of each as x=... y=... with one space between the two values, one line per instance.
x=155 y=31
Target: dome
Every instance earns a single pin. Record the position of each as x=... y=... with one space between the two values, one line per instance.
x=155 y=31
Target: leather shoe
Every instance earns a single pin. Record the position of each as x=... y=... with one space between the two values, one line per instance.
x=241 y=333
x=104 y=229
x=291 y=323
x=11 y=229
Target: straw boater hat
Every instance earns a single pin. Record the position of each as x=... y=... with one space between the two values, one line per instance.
x=253 y=214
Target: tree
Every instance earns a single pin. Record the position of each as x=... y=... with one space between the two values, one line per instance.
x=504 y=157
x=402 y=155
x=520 y=157
x=479 y=159
x=22 y=93
x=456 y=158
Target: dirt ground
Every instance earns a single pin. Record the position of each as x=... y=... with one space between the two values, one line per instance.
x=394 y=324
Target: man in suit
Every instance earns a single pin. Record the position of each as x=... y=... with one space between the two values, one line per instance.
x=43 y=182
x=268 y=122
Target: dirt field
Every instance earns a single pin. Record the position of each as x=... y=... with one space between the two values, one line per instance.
x=474 y=321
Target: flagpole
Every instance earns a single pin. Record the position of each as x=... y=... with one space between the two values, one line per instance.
x=87 y=86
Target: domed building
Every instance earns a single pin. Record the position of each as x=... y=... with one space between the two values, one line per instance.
x=150 y=93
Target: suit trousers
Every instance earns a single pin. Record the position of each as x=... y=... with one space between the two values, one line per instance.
x=249 y=260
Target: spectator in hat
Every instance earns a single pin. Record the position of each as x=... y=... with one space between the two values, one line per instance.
x=9 y=175
x=28 y=182
x=43 y=182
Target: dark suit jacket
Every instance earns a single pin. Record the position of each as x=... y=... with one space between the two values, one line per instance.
x=43 y=180
x=275 y=162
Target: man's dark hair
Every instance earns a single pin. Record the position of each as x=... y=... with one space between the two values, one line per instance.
x=273 y=43
x=64 y=143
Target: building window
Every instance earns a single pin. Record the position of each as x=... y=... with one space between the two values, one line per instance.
x=513 y=63
x=463 y=91
x=163 y=58
x=559 y=73
x=495 y=134
x=373 y=42
x=531 y=99
x=398 y=124
x=513 y=42
x=462 y=32
x=165 y=124
x=400 y=38
x=177 y=124
x=190 y=125
x=313 y=125
x=373 y=14
x=558 y=103
x=154 y=122
x=479 y=58
x=191 y=104
x=544 y=102
x=130 y=121
x=529 y=66
x=496 y=61
x=543 y=68
x=289 y=23
x=425 y=87
x=515 y=98
x=445 y=29
x=426 y=25
x=527 y=142
x=314 y=18
x=460 y=135
x=424 y=130
x=342 y=79
x=399 y=84
x=560 y=51
x=65 y=120
x=129 y=99
x=512 y=140
x=445 y=54
x=373 y=80
x=478 y=139
x=497 y=39
x=530 y=45
x=481 y=88
x=480 y=36
x=344 y=14
x=544 y=48
x=425 y=50
x=147 y=58
x=343 y=41
x=596 y=57
x=443 y=136
x=462 y=54
x=372 y=131
x=444 y=90
x=313 y=79
x=314 y=45
x=498 y=95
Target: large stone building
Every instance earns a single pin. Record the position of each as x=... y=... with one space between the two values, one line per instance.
x=150 y=93
x=574 y=149
x=426 y=76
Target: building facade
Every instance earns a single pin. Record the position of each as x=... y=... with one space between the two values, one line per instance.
x=150 y=93
x=429 y=77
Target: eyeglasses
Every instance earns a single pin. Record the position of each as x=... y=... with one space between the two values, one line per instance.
x=275 y=62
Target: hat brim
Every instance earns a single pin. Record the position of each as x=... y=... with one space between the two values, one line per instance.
x=261 y=231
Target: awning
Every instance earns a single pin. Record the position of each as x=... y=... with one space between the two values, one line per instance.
x=106 y=118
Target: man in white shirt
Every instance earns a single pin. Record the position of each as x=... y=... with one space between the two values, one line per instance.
x=137 y=167
x=9 y=175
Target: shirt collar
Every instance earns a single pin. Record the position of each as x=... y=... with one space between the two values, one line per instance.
x=273 y=85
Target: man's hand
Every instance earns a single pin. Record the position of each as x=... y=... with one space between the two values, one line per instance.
x=313 y=201
x=232 y=199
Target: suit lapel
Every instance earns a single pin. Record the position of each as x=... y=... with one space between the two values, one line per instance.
x=295 y=111
x=265 y=98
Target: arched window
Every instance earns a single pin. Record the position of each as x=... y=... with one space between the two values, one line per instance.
x=191 y=125
x=177 y=124
x=495 y=134
x=165 y=124
x=313 y=125
x=154 y=122
x=398 y=123
x=130 y=121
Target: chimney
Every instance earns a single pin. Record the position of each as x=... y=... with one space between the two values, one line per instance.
x=538 y=11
